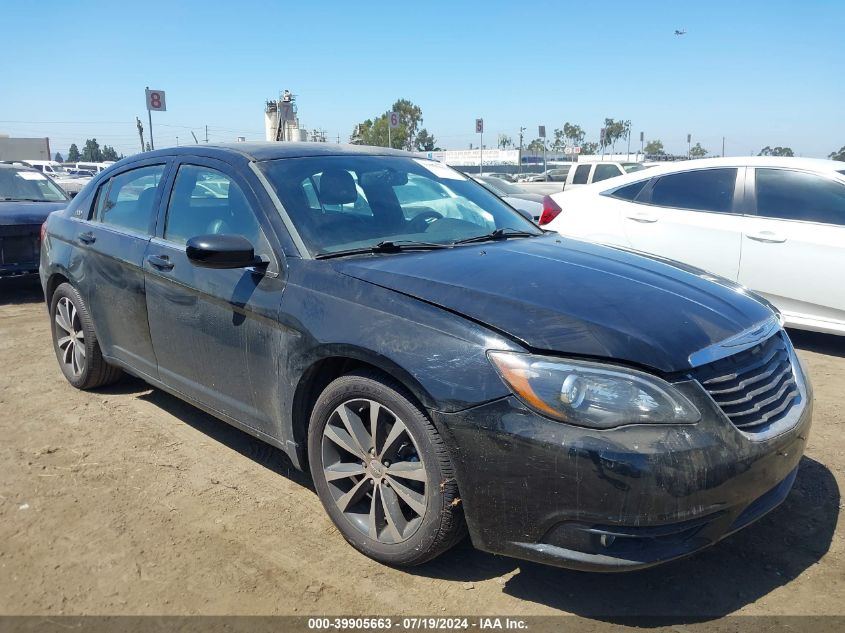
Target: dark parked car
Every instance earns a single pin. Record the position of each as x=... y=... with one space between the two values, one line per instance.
x=611 y=413
x=27 y=197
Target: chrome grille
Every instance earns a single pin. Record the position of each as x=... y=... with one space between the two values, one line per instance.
x=754 y=387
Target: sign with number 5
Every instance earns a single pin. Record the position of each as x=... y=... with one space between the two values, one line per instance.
x=155 y=100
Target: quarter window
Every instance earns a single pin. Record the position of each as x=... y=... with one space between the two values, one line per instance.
x=582 y=175
x=795 y=195
x=701 y=190
x=629 y=192
x=207 y=202
x=127 y=200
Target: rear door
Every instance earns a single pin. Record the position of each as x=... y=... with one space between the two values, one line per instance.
x=793 y=249
x=115 y=239
x=216 y=332
x=692 y=216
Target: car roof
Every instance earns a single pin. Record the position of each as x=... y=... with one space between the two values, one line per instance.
x=274 y=150
x=820 y=165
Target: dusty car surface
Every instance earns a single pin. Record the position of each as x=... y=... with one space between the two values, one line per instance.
x=613 y=412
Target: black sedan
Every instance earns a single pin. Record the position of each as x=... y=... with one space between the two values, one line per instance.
x=27 y=197
x=367 y=312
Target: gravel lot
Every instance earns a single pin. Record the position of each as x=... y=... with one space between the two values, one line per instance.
x=127 y=501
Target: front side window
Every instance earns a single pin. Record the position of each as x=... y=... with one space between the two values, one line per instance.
x=700 y=190
x=603 y=172
x=206 y=201
x=26 y=184
x=582 y=175
x=796 y=195
x=340 y=203
x=127 y=199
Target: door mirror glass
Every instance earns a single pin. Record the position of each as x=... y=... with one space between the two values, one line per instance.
x=220 y=251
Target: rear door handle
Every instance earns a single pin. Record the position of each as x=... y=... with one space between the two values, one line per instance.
x=87 y=238
x=645 y=218
x=162 y=262
x=769 y=237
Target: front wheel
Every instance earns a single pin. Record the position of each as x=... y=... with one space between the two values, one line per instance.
x=75 y=342
x=382 y=471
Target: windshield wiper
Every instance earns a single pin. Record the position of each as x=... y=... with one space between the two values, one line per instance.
x=23 y=200
x=498 y=234
x=387 y=246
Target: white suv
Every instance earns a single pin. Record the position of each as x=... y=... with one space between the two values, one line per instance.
x=775 y=225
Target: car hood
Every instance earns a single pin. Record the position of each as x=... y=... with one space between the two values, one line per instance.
x=565 y=296
x=12 y=212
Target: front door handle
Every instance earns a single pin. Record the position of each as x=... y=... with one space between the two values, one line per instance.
x=768 y=237
x=87 y=238
x=162 y=262
x=645 y=218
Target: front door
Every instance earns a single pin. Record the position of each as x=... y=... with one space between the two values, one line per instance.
x=215 y=332
x=691 y=216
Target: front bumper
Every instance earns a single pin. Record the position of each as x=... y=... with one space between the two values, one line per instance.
x=618 y=499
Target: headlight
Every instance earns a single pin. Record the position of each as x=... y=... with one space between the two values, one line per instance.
x=592 y=394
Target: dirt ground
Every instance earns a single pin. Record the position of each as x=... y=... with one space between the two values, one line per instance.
x=128 y=501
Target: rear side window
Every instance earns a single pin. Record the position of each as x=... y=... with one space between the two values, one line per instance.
x=701 y=190
x=582 y=175
x=126 y=200
x=795 y=195
x=603 y=172
x=629 y=192
x=207 y=202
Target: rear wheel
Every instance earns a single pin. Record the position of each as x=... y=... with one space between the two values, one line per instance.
x=75 y=342
x=382 y=471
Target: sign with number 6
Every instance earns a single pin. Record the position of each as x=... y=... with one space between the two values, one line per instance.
x=394 y=120
x=155 y=100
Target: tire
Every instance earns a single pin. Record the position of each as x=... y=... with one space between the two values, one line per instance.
x=75 y=342
x=401 y=500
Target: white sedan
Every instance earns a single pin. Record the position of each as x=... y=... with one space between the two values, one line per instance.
x=775 y=225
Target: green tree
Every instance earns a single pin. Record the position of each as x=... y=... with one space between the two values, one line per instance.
x=505 y=141
x=840 y=155
x=91 y=152
x=588 y=149
x=776 y=151
x=109 y=153
x=426 y=142
x=574 y=134
x=654 y=147
x=58 y=158
x=614 y=131
x=696 y=151
x=73 y=153
x=375 y=131
x=558 y=141
x=148 y=148
x=536 y=145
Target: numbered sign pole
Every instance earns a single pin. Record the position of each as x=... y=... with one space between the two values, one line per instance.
x=155 y=101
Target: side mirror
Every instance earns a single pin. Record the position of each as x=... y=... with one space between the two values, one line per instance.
x=220 y=251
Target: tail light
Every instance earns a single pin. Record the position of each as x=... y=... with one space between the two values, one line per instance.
x=551 y=210
x=43 y=230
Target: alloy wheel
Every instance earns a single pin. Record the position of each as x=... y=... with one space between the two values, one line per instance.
x=70 y=337
x=374 y=471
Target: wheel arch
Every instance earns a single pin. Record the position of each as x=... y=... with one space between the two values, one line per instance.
x=329 y=363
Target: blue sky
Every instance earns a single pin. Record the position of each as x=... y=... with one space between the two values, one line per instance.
x=757 y=72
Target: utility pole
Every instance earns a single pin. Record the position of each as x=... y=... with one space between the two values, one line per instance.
x=206 y=134
x=140 y=131
x=689 y=145
x=723 y=147
x=195 y=137
x=177 y=141
x=642 y=144
x=521 y=132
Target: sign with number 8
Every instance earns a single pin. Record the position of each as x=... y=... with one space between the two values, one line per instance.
x=155 y=100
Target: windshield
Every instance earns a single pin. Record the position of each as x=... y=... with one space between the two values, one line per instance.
x=632 y=167
x=341 y=203
x=28 y=184
x=502 y=186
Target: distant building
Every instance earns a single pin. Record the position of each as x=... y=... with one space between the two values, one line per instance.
x=24 y=148
x=281 y=122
